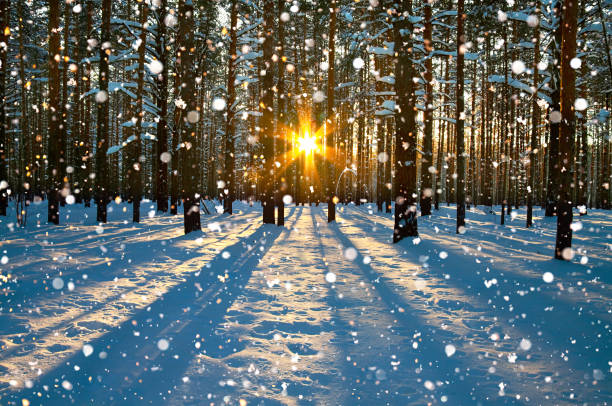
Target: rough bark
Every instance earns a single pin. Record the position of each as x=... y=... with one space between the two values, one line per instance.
x=535 y=121
x=460 y=119
x=87 y=154
x=230 y=127
x=568 y=130
x=267 y=125
x=331 y=84
x=5 y=6
x=103 y=115
x=405 y=129
x=427 y=158
x=280 y=118
x=63 y=141
x=554 y=125
x=162 y=103
x=54 y=147
x=189 y=167
x=136 y=145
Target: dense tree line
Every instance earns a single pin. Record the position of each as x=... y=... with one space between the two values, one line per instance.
x=414 y=102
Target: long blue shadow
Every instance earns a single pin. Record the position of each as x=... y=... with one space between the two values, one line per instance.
x=126 y=367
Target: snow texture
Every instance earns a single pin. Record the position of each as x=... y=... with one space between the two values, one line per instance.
x=314 y=312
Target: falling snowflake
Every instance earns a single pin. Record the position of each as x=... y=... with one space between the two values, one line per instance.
x=358 y=63
x=218 y=104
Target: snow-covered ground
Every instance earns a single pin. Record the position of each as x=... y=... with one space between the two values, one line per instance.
x=312 y=313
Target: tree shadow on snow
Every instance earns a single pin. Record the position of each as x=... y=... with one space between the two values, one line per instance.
x=143 y=359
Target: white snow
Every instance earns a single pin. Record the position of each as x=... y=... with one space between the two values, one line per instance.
x=313 y=312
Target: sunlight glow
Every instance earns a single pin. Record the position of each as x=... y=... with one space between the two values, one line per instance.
x=307 y=143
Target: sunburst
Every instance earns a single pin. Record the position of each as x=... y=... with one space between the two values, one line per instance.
x=307 y=143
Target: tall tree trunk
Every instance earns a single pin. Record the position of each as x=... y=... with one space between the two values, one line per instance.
x=136 y=165
x=554 y=120
x=472 y=166
x=583 y=161
x=26 y=167
x=331 y=122
x=505 y=142
x=280 y=118
x=187 y=91
x=176 y=125
x=405 y=129
x=440 y=156
x=535 y=121
x=63 y=141
x=483 y=133
x=162 y=103
x=76 y=145
x=103 y=115
x=267 y=104
x=387 y=185
x=568 y=130
x=489 y=171
x=460 y=119
x=55 y=110
x=381 y=138
x=5 y=8
x=427 y=159
x=87 y=155
x=230 y=127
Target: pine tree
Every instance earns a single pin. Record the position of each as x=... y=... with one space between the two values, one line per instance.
x=54 y=147
x=460 y=118
x=186 y=51
x=5 y=31
x=535 y=121
x=427 y=159
x=267 y=104
x=161 y=149
x=405 y=129
x=330 y=120
x=102 y=97
x=568 y=129
x=230 y=125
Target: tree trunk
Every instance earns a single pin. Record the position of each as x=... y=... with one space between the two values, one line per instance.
x=162 y=104
x=440 y=155
x=553 y=142
x=583 y=178
x=405 y=130
x=488 y=171
x=176 y=125
x=331 y=122
x=267 y=104
x=568 y=130
x=5 y=7
x=87 y=154
x=103 y=115
x=427 y=159
x=26 y=167
x=472 y=154
x=230 y=127
x=136 y=145
x=55 y=110
x=460 y=119
x=186 y=66
x=76 y=145
x=65 y=108
x=280 y=119
x=535 y=121
x=505 y=142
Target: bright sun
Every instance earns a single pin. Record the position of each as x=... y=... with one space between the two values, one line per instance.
x=307 y=143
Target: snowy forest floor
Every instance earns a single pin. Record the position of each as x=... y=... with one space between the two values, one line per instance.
x=312 y=313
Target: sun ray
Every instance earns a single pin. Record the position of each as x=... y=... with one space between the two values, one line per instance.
x=308 y=143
